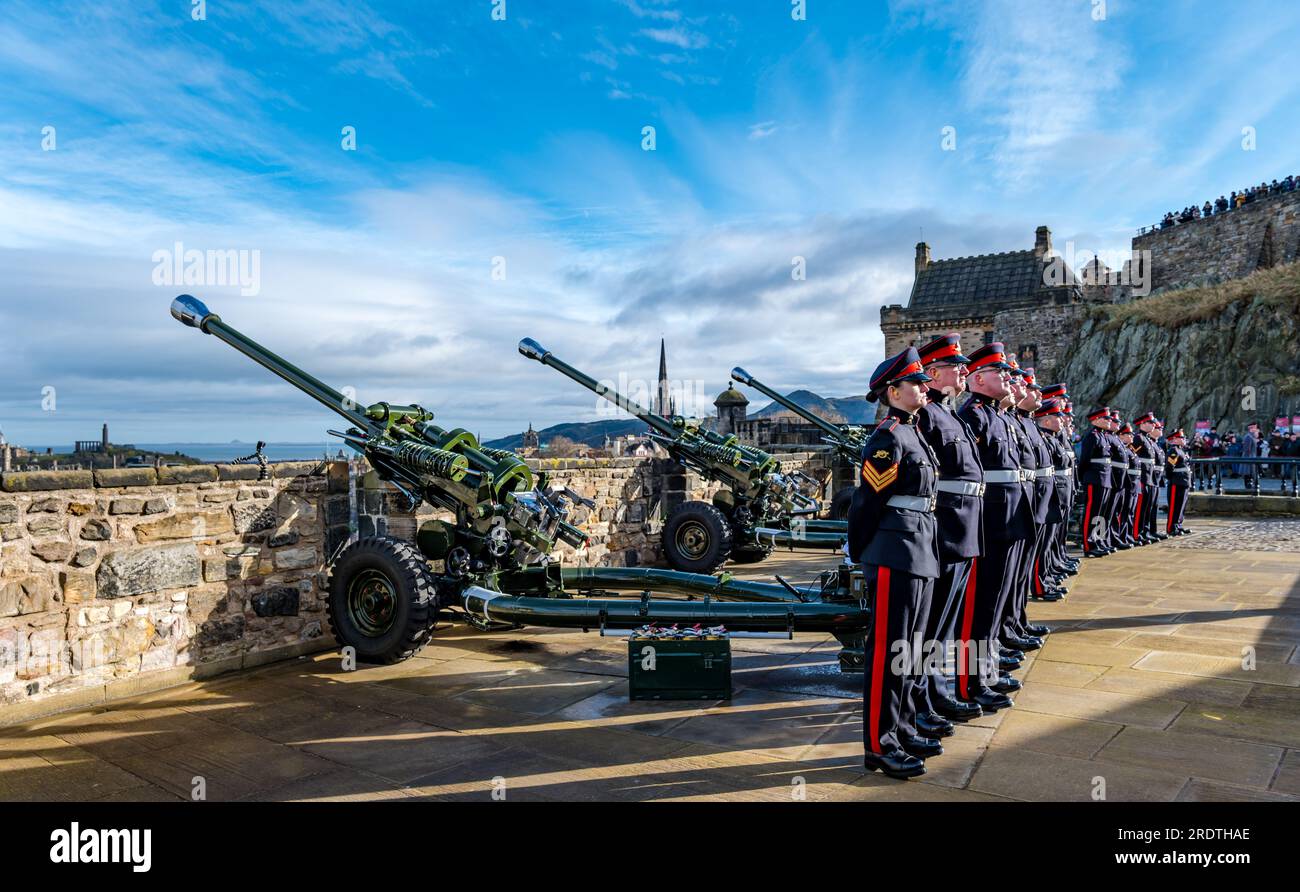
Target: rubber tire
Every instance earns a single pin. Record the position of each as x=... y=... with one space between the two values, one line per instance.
x=745 y=556
x=417 y=605
x=720 y=537
x=840 y=504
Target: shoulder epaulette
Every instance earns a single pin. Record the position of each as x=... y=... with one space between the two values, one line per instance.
x=888 y=424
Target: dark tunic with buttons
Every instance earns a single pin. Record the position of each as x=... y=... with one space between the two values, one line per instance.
x=1007 y=514
x=896 y=461
x=959 y=516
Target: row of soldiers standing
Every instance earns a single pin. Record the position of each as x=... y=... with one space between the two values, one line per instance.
x=1122 y=470
x=959 y=519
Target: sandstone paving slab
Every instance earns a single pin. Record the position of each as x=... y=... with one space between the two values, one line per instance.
x=592 y=661
x=1075 y=675
x=338 y=785
x=1272 y=696
x=1241 y=723
x=1287 y=779
x=1100 y=706
x=1234 y=630
x=233 y=764
x=1218 y=667
x=1210 y=647
x=399 y=750
x=145 y=792
x=538 y=692
x=755 y=718
x=514 y=774
x=1210 y=791
x=124 y=731
x=1018 y=773
x=1063 y=650
x=72 y=782
x=20 y=743
x=1203 y=756
x=612 y=708
x=1171 y=686
x=875 y=787
x=1085 y=634
x=304 y=718
x=1052 y=734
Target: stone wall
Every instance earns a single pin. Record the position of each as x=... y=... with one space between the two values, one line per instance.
x=1047 y=331
x=114 y=582
x=1225 y=246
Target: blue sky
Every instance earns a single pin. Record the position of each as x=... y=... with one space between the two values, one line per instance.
x=522 y=139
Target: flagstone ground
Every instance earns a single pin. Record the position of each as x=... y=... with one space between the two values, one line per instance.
x=1172 y=674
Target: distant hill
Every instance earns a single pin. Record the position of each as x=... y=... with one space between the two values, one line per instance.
x=854 y=409
x=592 y=433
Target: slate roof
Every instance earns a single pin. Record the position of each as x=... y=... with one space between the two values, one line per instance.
x=1007 y=278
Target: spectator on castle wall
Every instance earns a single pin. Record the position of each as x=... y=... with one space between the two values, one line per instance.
x=1208 y=210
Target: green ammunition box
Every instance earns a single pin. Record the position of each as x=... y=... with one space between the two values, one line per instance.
x=679 y=668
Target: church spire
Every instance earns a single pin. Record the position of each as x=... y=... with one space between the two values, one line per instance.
x=663 y=402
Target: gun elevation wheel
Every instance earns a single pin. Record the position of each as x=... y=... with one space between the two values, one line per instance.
x=697 y=538
x=840 y=504
x=382 y=600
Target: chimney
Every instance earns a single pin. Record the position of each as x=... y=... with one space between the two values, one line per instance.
x=1042 y=241
x=922 y=256
x=105 y=436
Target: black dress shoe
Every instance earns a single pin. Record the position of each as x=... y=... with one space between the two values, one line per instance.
x=990 y=701
x=1023 y=644
x=1038 y=631
x=922 y=747
x=1007 y=685
x=1011 y=653
x=1048 y=597
x=935 y=726
x=895 y=763
x=1123 y=546
x=1006 y=664
x=1162 y=536
x=957 y=710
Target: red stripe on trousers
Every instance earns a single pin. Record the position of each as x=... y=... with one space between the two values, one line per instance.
x=967 y=622
x=1087 y=516
x=878 y=654
x=1169 y=522
x=1038 y=581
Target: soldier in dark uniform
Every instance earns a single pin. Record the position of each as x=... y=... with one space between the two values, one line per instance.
x=1056 y=432
x=892 y=533
x=1144 y=446
x=1178 y=471
x=1036 y=465
x=1094 y=477
x=958 y=513
x=1119 y=461
x=1127 y=522
x=1007 y=524
x=1158 y=432
x=1046 y=580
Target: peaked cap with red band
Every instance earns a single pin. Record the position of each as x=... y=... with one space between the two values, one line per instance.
x=905 y=366
x=945 y=349
x=1049 y=407
x=1102 y=412
x=1053 y=390
x=989 y=356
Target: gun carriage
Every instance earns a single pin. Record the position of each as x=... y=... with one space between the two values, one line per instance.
x=493 y=563
x=758 y=507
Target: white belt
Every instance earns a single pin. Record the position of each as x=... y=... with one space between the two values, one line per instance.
x=1146 y=461
x=1003 y=476
x=1045 y=472
x=1181 y=471
x=1065 y=472
x=1135 y=472
x=1101 y=461
x=962 y=487
x=912 y=503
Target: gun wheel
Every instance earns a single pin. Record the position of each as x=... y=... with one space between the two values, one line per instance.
x=382 y=601
x=697 y=538
x=840 y=504
x=749 y=555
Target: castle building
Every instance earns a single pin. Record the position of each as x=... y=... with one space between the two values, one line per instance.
x=1029 y=300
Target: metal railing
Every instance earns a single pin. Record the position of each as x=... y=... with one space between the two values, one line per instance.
x=1207 y=473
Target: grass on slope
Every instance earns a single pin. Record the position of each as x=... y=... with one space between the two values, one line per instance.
x=1279 y=286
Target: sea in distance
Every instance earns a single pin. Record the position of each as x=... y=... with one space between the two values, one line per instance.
x=224 y=452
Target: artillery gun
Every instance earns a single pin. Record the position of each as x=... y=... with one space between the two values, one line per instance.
x=493 y=563
x=847 y=439
x=758 y=508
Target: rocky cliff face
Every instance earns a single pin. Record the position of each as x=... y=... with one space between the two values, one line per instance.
x=1228 y=353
